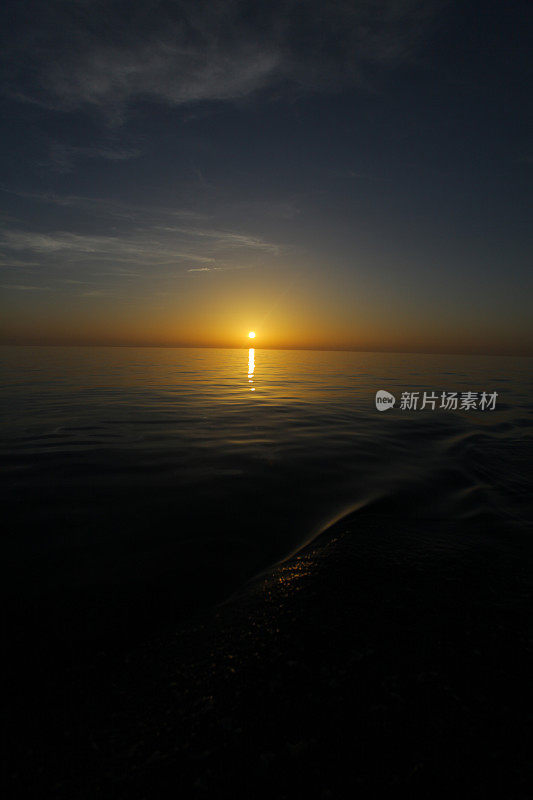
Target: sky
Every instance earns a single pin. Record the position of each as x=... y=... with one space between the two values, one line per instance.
x=336 y=175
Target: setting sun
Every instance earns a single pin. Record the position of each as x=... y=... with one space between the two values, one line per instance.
x=251 y=335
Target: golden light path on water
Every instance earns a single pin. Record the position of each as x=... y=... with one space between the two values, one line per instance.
x=251 y=367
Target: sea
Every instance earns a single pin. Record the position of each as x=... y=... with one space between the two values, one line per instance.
x=142 y=486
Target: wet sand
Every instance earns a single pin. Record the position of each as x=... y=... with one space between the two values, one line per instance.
x=382 y=658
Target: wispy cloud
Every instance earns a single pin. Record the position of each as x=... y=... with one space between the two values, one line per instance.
x=42 y=243
x=221 y=239
x=134 y=255
x=26 y=288
x=63 y=157
x=135 y=246
x=10 y=262
x=116 y=209
x=91 y=54
x=96 y=293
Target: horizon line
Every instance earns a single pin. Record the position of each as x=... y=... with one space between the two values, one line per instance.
x=316 y=348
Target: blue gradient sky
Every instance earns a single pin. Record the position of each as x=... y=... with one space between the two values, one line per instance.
x=355 y=174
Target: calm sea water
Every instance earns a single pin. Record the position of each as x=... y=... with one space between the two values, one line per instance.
x=173 y=475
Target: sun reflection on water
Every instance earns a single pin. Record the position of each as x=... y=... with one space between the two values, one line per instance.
x=251 y=367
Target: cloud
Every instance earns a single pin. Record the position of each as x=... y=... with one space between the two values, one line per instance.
x=139 y=245
x=116 y=209
x=63 y=157
x=131 y=254
x=203 y=269
x=109 y=55
x=96 y=293
x=8 y=262
x=26 y=288
x=127 y=242
x=42 y=243
x=221 y=239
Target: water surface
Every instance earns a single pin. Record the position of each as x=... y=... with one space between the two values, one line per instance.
x=167 y=477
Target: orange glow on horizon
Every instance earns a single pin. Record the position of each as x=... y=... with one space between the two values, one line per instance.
x=316 y=317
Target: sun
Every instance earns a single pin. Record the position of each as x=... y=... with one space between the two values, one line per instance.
x=251 y=335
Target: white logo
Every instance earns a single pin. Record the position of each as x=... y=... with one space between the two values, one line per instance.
x=384 y=400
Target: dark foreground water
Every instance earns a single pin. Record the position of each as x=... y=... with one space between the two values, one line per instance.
x=147 y=483
x=391 y=652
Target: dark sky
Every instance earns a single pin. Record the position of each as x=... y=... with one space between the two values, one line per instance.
x=347 y=174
